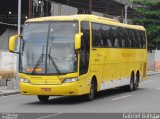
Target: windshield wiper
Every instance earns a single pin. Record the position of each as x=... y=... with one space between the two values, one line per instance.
x=53 y=62
x=40 y=59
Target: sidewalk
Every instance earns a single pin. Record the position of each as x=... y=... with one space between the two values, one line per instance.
x=149 y=73
x=5 y=92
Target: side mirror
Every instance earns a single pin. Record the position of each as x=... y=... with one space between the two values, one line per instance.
x=14 y=42
x=78 y=38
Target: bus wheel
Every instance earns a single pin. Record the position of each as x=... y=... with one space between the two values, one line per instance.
x=136 y=84
x=43 y=98
x=92 y=93
x=131 y=85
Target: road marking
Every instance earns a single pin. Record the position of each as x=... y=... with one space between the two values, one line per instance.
x=52 y=115
x=158 y=88
x=121 y=97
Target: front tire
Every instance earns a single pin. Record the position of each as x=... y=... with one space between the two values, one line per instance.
x=91 y=95
x=43 y=98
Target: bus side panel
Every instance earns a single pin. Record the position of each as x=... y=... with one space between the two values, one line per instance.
x=119 y=65
x=97 y=59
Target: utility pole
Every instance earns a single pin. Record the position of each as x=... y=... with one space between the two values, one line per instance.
x=90 y=6
x=19 y=32
x=19 y=16
x=126 y=12
x=30 y=9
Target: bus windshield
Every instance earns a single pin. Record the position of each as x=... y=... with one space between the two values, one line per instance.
x=48 y=48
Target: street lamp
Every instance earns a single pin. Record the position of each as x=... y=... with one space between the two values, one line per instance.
x=39 y=2
x=126 y=10
x=9 y=12
x=26 y=17
x=90 y=6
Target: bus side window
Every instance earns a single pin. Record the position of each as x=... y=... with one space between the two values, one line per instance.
x=100 y=39
x=124 y=38
x=94 y=41
x=128 y=42
x=85 y=48
x=108 y=39
x=112 y=36
x=105 y=36
x=131 y=38
x=116 y=37
x=97 y=40
x=139 y=39
x=143 y=39
x=136 y=39
x=120 y=36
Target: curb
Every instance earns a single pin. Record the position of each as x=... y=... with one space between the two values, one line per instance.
x=150 y=74
x=9 y=93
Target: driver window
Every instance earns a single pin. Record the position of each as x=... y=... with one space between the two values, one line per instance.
x=85 y=48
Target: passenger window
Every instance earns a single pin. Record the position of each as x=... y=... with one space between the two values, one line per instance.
x=139 y=40
x=115 y=35
x=120 y=36
x=136 y=38
x=105 y=36
x=132 y=37
x=143 y=39
x=127 y=40
x=96 y=35
x=124 y=38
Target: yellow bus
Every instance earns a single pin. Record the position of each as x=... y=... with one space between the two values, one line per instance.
x=79 y=55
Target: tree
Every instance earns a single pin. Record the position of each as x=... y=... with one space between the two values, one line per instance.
x=149 y=17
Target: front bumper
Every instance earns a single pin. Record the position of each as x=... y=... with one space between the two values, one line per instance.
x=73 y=88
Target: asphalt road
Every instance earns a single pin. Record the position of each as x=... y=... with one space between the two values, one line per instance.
x=145 y=99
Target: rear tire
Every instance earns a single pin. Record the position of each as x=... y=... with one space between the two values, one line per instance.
x=136 y=84
x=43 y=98
x=130 y=87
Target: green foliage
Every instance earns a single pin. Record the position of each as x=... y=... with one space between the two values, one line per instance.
x=150 y=18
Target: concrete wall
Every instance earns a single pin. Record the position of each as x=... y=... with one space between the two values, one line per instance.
x=59 y=9
x=8 y=61
x=151 y=61
x=4 y=38
x=157 y=60
x=8 y=67
x=154 y=60
x=97 y=13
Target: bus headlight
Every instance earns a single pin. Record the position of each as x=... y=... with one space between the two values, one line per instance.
x=25 y=80
x=68 y=80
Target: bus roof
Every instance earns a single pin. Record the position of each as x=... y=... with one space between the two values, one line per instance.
x=86 y=17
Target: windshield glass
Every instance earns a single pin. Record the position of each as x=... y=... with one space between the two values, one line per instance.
x=48 y=48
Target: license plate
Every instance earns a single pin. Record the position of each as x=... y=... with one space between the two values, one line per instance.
x=46 y=89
